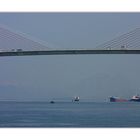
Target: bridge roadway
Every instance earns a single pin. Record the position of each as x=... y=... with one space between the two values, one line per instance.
x=69 y=52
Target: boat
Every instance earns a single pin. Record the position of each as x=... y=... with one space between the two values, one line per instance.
x=135 y=98
x=52 y=102
x=76 y=99
x=117 y=99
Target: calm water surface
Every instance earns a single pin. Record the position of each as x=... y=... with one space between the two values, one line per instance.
x=62 y=114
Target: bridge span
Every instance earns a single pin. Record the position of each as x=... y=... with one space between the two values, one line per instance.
x=69 y=52
x=16 y=44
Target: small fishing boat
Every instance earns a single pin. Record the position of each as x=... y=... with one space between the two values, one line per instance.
x=76 y=98
x=52 y=102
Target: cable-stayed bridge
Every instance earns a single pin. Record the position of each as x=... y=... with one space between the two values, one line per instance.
x=17 y=44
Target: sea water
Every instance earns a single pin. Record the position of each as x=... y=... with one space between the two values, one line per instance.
x=69 y=114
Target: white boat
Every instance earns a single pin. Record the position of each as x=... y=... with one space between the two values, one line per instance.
x=76 y=98
x=135 y=98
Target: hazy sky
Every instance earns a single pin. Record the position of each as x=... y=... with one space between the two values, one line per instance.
x=92 y=77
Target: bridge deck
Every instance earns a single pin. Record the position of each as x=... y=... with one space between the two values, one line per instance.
x=68 y=52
